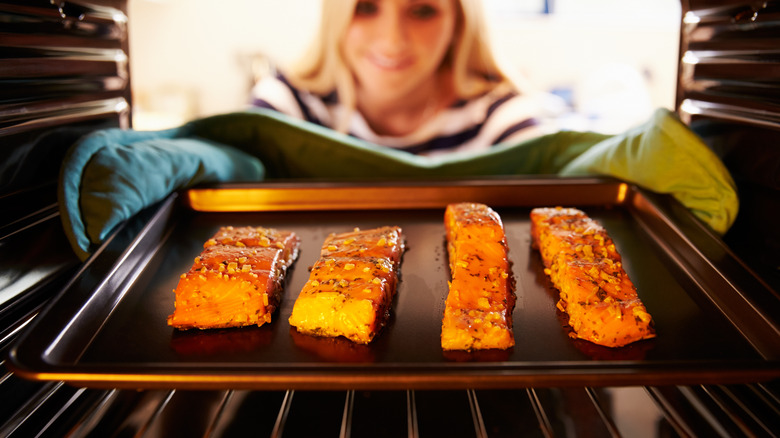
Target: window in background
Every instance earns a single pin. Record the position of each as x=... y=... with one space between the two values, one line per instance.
x=611 y=62
x=518 y=6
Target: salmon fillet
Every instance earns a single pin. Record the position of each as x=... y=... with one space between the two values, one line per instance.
x=584 y=265
x=236 y=280
x=479 y=305
x=351 y=286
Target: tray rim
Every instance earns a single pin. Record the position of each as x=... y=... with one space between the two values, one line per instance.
x=328 y=379
x=626 y=193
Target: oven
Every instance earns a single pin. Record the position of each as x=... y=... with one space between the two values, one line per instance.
x=64 y=72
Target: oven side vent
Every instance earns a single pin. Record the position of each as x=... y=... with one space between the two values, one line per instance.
x=63 y=73
x=729 y=93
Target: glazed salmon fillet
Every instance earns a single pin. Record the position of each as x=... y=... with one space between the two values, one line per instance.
x=584 y=265
x=481 y=298
x=237 y=280
x=351 y=286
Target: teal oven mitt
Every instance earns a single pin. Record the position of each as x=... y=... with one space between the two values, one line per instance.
x=112 y=174
x=101 y=188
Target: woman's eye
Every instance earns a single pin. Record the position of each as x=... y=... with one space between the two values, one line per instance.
x=423 y=11
x=366 y=8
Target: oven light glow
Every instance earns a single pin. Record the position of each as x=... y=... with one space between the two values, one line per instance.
x=119 y=17
x=691 y=18
x=622 y=191
x=689 y=107
x=690 y=58
x=121 y=106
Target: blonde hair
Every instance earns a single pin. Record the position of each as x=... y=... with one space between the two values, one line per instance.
x=323 y=69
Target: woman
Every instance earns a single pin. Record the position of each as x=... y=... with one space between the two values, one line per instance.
x=410 y=74
x=416 y=75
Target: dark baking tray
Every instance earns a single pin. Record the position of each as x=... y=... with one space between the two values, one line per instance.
x=108 y=328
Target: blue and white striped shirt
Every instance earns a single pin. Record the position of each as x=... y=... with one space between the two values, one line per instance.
x=500 y=116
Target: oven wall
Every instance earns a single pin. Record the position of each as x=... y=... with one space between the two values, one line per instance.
x=729 y=93
x=63 y=73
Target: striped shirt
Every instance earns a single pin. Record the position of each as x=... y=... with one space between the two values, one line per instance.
x=500 y=116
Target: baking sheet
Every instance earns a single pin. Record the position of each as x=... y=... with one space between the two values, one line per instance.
x=113 y=332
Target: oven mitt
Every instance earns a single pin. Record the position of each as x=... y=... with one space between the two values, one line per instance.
x=662 y=155
x=111 y=175
x=292 y=148
x=665 y=156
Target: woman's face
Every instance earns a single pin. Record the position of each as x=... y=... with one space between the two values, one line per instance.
x=394 y=47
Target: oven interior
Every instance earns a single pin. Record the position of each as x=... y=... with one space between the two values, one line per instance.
x=65 y=72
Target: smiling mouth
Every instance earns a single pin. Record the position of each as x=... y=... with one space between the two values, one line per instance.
x=386 y=63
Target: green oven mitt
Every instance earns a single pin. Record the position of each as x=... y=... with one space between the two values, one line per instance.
x=665 y=156
x=292 y=148
x=101 y=183
x=662 y=155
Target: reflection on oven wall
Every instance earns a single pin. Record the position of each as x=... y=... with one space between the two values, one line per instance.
x=606 y=63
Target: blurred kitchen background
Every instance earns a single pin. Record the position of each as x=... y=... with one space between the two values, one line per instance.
x=611 y=61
